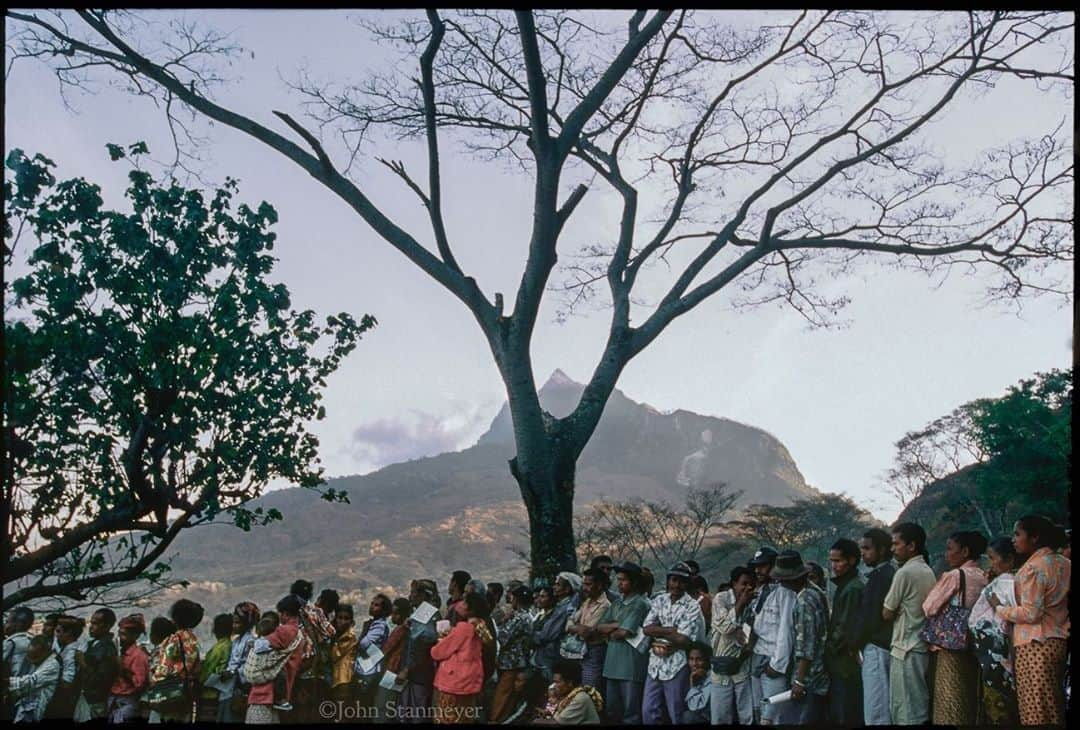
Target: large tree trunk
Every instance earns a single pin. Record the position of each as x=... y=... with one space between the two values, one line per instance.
x=549 y=499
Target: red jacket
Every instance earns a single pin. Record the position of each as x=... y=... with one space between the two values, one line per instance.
x=461 y=666
x=263 y=694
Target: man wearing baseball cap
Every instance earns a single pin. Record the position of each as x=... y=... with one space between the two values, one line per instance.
x=772 y=628
x=624 y=664
x=674 y=622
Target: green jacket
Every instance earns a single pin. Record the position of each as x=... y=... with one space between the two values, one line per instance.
x=842 y=647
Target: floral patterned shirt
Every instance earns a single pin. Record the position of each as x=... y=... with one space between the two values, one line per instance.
x=515 y=641
x=810 y=623
x=173 y=661
x=1042 y=592
x=685 y=615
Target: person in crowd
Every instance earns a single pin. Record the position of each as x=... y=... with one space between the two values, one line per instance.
x=732 y=699
x=318 y=628
x=909 y=693
x=567 y=590
x=606 y=564
x=515 y=644
x=265 y=668
x=68 y=631
x=99 y=662
x=34 y=682
x=772 y=635
x=48 y=629
x=624 y=664
x=698 y=657
x=673 y=623
x=342 y=653
x=17 y=638
x=1040 y=620
x=328 y=602
x=842 y=647
x=956 y=671
x=576 y=704
x=817 y=575
x=699 y=591
x=992 y=638
x=385 y=698
x=582 y=624
x=524 y=700
x=179 y=657
x=502 y=613
x=548 y=627
x=455 y=591
x=874 y=634
x=290 y=609
x=417 y=667
x=810 y=623
x=244 y=618
x=459 y=677
x=375 y=631
x=134 y=674
x=490 y=650
x=648 y=583
x=214 y=663
x=161 y=628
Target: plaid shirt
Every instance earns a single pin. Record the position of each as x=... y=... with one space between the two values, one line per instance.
x=33 y=688
x=810 y=624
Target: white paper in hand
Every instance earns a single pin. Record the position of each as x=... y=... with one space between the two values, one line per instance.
x=778 y=698
x=423 y=613
x=390 y=681
x=636 y=639
x=370 y=660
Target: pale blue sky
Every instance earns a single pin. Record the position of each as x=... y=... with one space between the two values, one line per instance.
x=837 y=399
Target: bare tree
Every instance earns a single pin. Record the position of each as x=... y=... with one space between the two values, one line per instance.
x=778 y=153
x=653 y=532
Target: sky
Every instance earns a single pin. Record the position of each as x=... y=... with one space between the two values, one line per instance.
x=423 y=382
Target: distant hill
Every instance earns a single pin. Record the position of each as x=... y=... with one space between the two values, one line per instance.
x=429 y=516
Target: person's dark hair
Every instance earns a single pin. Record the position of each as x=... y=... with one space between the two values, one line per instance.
x=569 y=671
x=385 y=603
x=161 y=628
x=187 y=614
x=53 y=617
x=40 y=641
x=110 y=616
x=973 y=541
x=648 y=581
x=698 y=583
x=329 y=600
x=725 y=586
x=477 y=605
x=741 y=570
x=701 y=646
x=912 y=533
x=267 y=623
x=601 y=559
x=24 y=617
x=881 y=540
x=694 y=566
x=347 y=608
x=816 y=569
x=222 y=625
x=401 y=606
x=599 y=576
x=496 y=589
x=73 y=624
x=302 y=588
x=460 y=578
x=1004 y=547
x=1043 y=531
x=847 y=547
x=290 y=604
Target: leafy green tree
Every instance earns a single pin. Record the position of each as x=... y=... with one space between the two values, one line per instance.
x=155 y=377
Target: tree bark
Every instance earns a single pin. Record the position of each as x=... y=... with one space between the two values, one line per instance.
x=548 y=492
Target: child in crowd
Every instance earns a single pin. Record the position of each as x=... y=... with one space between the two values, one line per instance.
x=697 y=698
x=268 y=623
x=343 y=653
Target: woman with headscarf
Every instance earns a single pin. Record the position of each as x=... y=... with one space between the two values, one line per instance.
x=244 y=619
x=1040 y=620
x=134 y=674
x=956 y=671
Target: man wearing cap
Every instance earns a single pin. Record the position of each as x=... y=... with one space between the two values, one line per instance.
x=674 y=622
x=810 y=625
x=771 y=632
x=624 y=665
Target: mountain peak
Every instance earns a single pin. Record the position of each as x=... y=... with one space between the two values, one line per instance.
x=560 y=378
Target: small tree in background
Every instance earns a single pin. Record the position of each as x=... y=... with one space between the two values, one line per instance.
x=155 y=377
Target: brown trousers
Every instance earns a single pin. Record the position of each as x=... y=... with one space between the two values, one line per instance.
x=503 y=701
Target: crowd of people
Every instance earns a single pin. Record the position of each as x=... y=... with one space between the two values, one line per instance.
x=888 y=642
